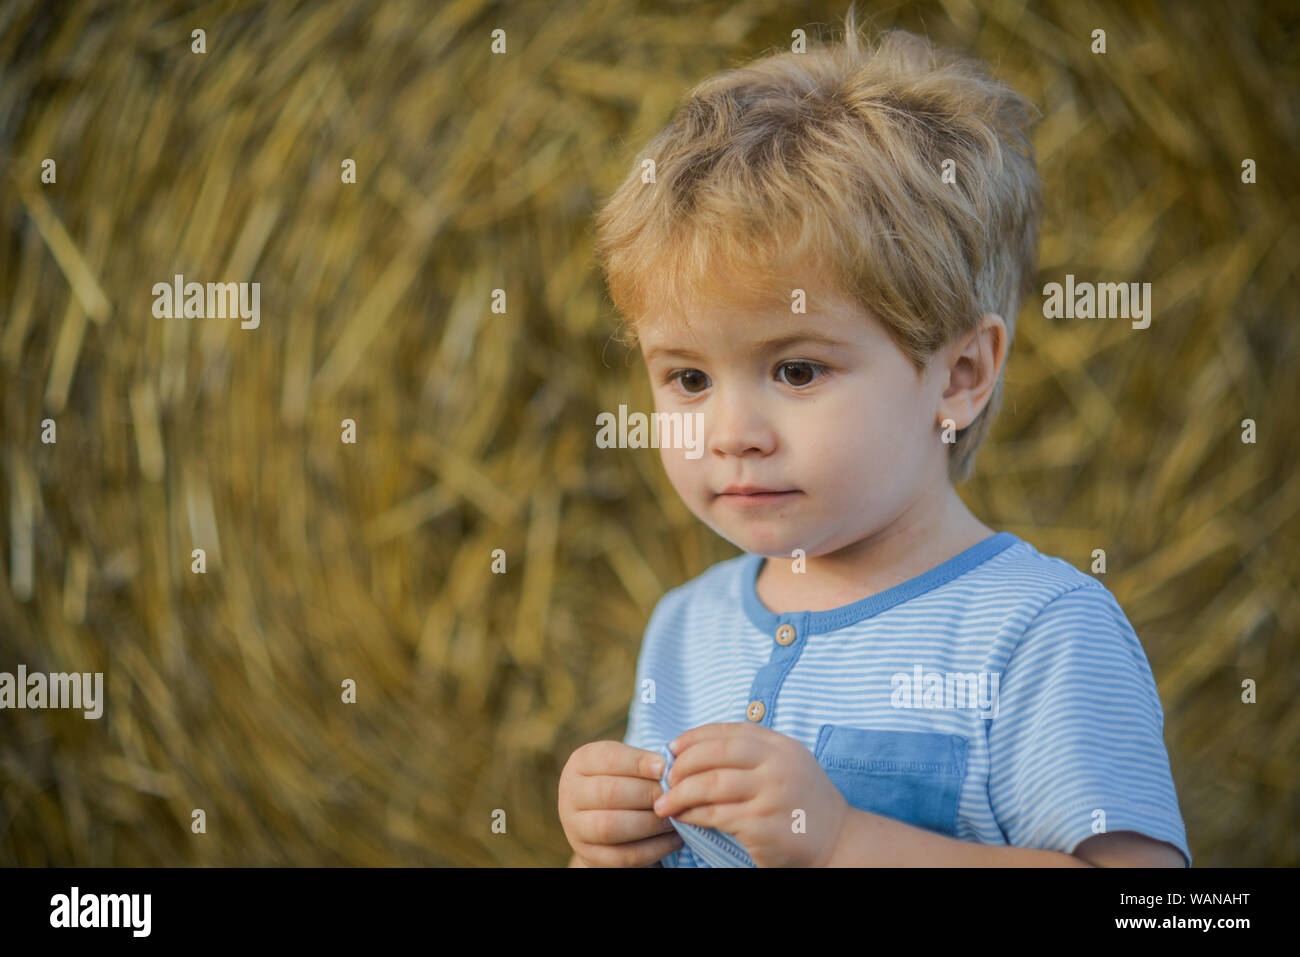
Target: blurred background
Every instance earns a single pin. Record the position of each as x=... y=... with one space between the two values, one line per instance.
x=372 y=560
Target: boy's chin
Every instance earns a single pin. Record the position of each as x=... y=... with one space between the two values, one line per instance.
x=771 y=539
x=769 y=546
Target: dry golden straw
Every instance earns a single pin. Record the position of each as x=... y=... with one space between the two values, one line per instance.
x=371 y=561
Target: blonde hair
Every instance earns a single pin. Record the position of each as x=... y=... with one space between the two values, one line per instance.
x=832 y=159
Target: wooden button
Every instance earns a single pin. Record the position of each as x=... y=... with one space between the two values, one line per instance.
x=756 y=711
x=785 y=635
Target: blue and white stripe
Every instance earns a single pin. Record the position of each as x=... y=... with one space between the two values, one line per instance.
x=1076 y=744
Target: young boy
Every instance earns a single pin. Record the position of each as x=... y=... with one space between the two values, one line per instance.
x=826 y=261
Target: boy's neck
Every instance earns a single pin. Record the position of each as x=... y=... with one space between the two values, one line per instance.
x=894 y=554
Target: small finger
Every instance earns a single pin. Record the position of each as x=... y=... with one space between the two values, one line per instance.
x=611 y=792
x=638 y=854
x=615 y=757
x=656 y=848
x=617 y=827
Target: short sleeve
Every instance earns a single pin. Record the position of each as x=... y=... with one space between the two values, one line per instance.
x=636 y=712
x=637 y=724
x=1076 y=747
x=634 y=721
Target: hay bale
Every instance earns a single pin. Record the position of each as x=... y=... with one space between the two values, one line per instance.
x=372 y=561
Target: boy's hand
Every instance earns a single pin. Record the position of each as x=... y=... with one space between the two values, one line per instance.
x=606 y=792
x=748 y=780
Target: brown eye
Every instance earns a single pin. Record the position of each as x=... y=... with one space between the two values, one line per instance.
x=805 y=374
x=695 y=375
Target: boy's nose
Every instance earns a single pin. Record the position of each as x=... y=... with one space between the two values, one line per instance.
x=734 y=425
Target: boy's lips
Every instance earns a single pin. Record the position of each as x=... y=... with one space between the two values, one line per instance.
x=754 y=495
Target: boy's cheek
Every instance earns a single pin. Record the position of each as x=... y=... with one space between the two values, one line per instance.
x=684 y=474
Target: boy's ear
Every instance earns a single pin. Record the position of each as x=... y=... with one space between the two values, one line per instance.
x=973 y=365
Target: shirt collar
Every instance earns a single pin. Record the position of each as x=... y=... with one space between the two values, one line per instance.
x=816 y=622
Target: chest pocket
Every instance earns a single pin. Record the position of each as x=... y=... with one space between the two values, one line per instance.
x=911 y=776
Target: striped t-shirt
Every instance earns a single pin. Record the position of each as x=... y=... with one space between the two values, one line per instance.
x=1002 y=697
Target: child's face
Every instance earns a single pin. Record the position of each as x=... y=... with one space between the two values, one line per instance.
x=849 y=432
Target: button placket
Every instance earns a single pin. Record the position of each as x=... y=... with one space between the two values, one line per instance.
x=786 y=649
